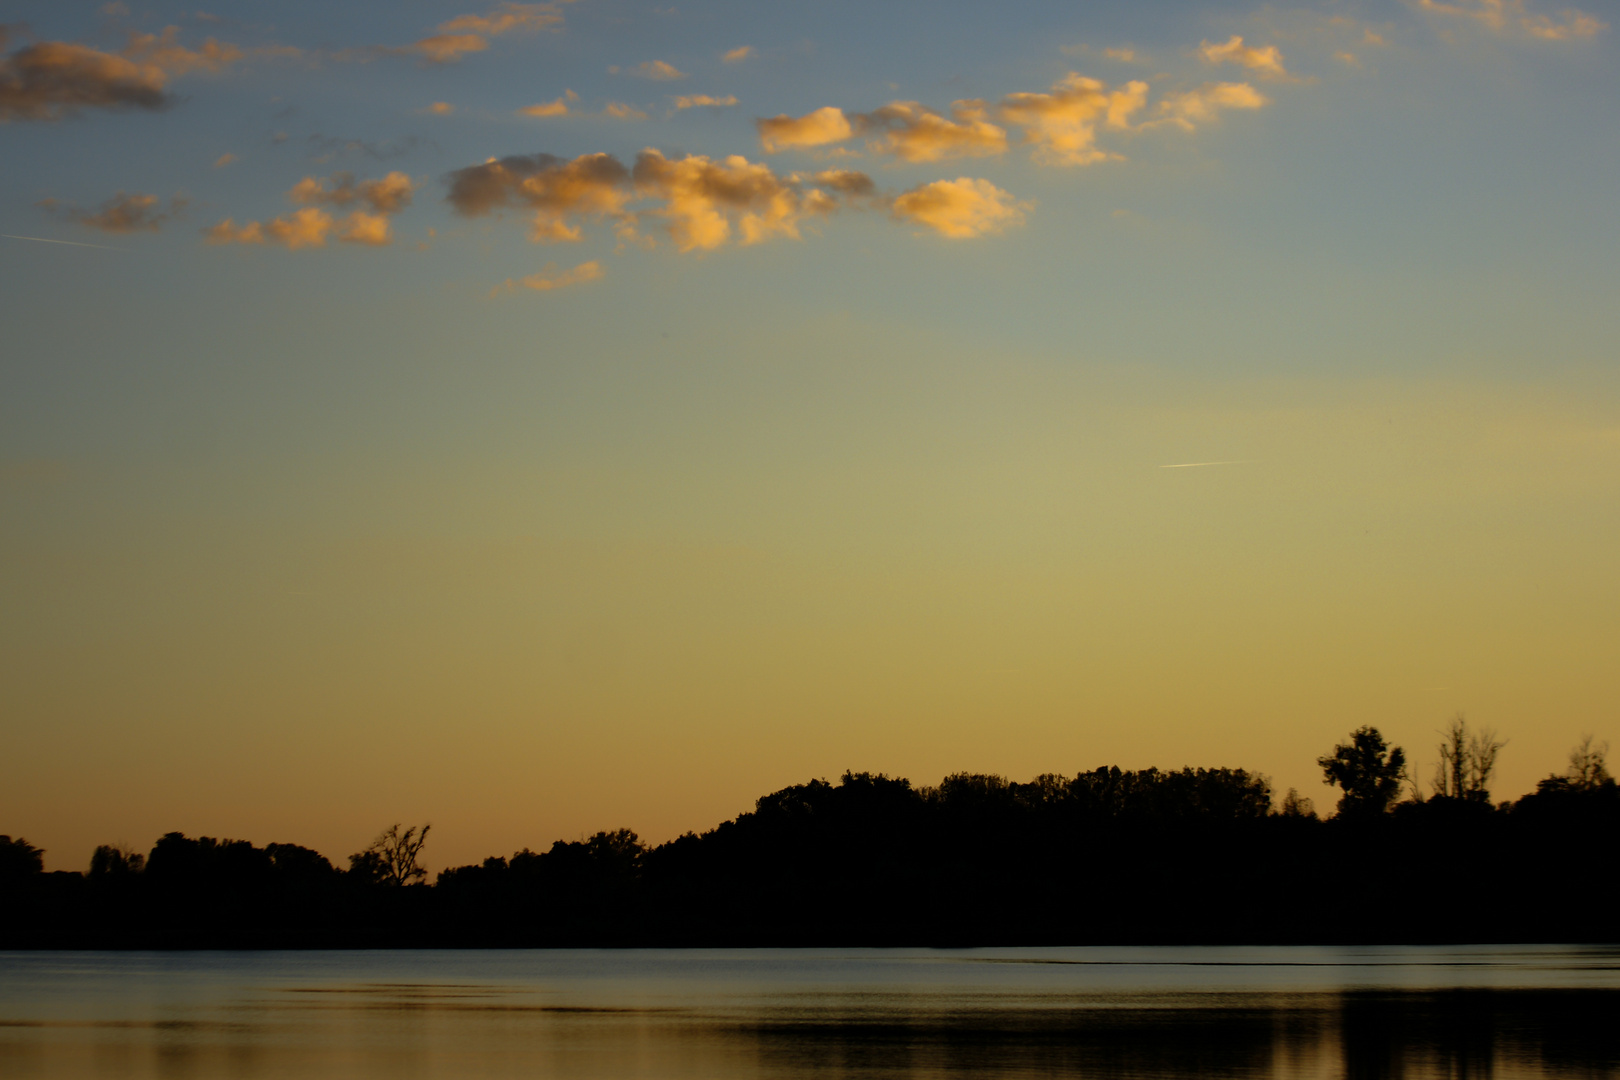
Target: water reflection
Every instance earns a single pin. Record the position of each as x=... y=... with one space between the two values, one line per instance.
x=1070 y=1013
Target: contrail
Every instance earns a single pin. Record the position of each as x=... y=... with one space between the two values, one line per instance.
x=1201 y=464
x=73 y=243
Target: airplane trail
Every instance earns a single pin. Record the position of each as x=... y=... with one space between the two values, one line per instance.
x=71 y=243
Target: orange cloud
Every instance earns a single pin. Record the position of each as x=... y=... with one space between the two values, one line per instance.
x=913 y=133
x=308 y=227
x=658 y=71
x=440 y=108
x=847 y=182
x=1266 y=62
x=506 y=18
x=620 y=111
x=224 y=160
x=701 y=196
x=960 y=209
x=1511 y=18
x=389 y=195
x=466 y=34
x=695 y=101
x=703 y=203
x=827 y=125
x=548 y=279
x=312 y=225
x=737 y=55
x=448 y=48
x=546 y=109
x=1192 y=107
x=53 y=79
x=163 y=51
x=122 y=213
x=593 y=185
x=1062 y=125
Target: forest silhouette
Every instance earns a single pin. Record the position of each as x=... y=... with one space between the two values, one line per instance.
x=1190 y=856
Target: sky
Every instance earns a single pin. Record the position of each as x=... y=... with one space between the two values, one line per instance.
x=538 y=418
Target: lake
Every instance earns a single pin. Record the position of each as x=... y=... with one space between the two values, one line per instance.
x=1532 y=1011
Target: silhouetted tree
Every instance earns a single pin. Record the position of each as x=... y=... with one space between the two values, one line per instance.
x=1295 y=805
x=1367 y=769
x=1467 y=760
x=291 y=861
x=392 y=857
x=116 y=860
x=19 y=858
x=1588 y=768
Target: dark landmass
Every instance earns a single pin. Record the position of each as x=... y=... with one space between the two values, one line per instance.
x=1196 y=856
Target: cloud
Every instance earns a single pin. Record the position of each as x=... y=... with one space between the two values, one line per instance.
x=593 y=185
x=695 y=101
x=658 y=71
x=440 y=108
x=847 y=182
x=312 y=225
x=448 y=48
x=828 y=125
x=506 y=18
x=53 y=79
x=737 y=55
x=702 y=196
x=467 y=34
x=548 y=279
x=960 y=209
x=1124 y=56
x=1511 y=19
x=703 y=203
x=620 y=111
x=308 y=227
x=546 y=109
x=224 y=160
x=164 y=52
x=1266 y=62
x=1062 y=124
x=50 y=80
x=389 y=195
x=1193 y=107
x=123 y=213
x=913 y=133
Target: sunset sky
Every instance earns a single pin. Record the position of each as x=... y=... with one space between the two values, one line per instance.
x=542 y=418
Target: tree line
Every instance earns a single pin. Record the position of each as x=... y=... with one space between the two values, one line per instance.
x=1106 y=856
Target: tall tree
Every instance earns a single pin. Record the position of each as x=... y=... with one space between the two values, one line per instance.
x=1467 y=761
x=1367 y=769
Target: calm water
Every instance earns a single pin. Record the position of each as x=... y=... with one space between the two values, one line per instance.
x=1418 y=1013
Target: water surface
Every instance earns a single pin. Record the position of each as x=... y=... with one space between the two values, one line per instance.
x=604 y=1015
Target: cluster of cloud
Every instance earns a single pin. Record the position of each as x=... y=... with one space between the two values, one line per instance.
x=123 y=213
x=1511 y=18
x=703 y=204
x=471 y=33
x=49 y=80
x=369 y=223
x=1060 y=125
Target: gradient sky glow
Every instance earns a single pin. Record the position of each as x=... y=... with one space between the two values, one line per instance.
x=372 y=468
